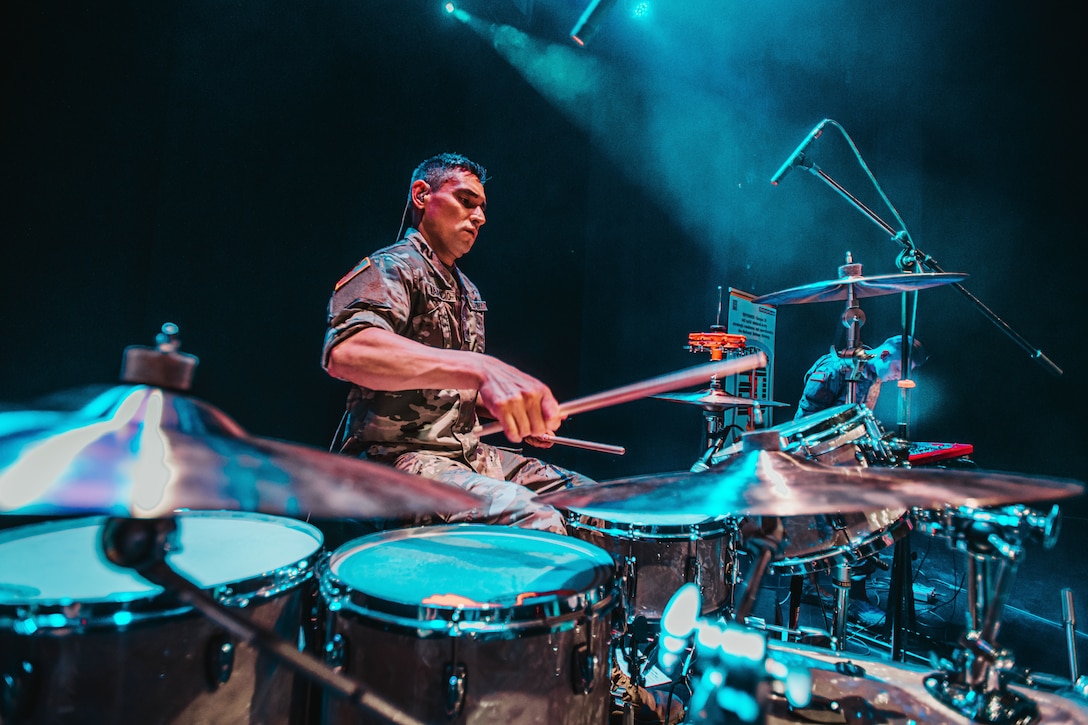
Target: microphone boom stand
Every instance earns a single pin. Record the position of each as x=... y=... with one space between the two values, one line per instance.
x=930 y=263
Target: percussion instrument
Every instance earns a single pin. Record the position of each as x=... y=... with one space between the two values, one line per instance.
x=143 y=452
x=716 y=342
x=848 y=285
x=473 y=624
x=79 y=635
x=715 y=399
x=654 y=560
x=763 y=480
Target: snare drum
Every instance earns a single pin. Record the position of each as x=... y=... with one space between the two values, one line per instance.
x=83 y=638
x=656 y=560
x=846 y=435
x=471 y=623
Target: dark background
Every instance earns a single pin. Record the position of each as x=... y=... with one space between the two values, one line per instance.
x=221 y=164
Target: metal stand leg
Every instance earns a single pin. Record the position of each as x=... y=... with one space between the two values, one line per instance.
x=841 y=580
x=973 y=684
x=901 y=614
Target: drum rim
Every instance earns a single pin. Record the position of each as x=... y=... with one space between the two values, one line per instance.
x=130 y=608
x=824 y=559
x=554 y=613
x=830 y=426
x=708 y=529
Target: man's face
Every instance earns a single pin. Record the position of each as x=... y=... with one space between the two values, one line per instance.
x=891 y=367
x=453 y=214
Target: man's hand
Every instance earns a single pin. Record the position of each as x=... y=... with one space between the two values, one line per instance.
x=524 y=406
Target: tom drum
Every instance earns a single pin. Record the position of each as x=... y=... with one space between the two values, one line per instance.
x=81 y=637
x=472 y=624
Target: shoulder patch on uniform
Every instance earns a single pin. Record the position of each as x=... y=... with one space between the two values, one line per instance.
x=348 y=277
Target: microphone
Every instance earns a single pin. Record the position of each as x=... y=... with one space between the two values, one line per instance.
x=799 y=152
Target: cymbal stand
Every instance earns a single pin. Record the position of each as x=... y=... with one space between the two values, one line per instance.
x=142 y=544
x=852 y=319
x=764 y=545
x=715 y=432
x=974 y=684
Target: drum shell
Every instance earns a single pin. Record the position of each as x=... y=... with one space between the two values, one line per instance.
x=140 y=654
x=844 y=435
x=656 y=560
x=819 y=542
x=154 y=672
x=525 y=680
x=522 y=665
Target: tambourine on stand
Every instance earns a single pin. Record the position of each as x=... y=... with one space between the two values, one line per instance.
x=719 y=344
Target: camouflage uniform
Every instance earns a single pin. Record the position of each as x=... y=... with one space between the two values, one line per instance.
x=406 y=289
x=827 y=382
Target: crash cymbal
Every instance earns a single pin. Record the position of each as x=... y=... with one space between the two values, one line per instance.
x=143 y=452
x=711 y=399
x=764 y=481
x=839 y=289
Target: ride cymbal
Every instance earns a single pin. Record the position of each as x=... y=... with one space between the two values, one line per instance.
x=144 y=452
x=874 y=286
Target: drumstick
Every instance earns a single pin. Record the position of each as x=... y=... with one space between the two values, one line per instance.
x=588 y=445
x=653 y=386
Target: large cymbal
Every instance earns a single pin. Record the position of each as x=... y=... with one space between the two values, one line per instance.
x=873 y=286
x=711 y=399
x=144 y=452
x=759 y=482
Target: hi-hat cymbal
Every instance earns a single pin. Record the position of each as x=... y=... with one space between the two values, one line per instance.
x=144 y=452
x=873 y=286
x=711 y=399
x=760 y=482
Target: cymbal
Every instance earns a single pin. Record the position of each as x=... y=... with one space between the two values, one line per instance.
x=761 y=482
x=144 y=452
x=873 y=286
x=711 y=399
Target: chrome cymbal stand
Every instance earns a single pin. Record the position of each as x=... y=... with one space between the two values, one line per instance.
x=974 y=684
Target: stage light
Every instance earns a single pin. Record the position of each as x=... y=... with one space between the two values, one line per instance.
x=590 y=22
x=452 y=9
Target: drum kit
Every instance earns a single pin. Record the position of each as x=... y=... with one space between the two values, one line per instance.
x=171 y=572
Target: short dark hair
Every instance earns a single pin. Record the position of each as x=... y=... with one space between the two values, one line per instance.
x=437 y=169
x=918 y=354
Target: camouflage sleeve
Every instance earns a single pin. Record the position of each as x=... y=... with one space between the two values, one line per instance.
x=823 y=386
x=377 y=293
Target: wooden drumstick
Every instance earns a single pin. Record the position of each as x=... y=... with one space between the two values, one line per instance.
x=653 y=386
x=588 y=445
